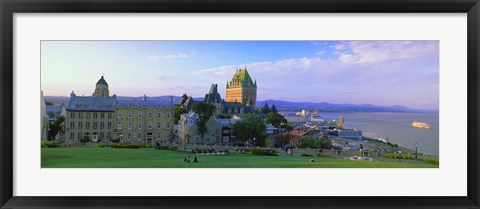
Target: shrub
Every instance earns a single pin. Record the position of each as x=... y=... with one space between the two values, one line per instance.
x=131 y=146
x=101 y=146
x=166 y=148
x=430 y=160
x=398 y=156
x=49 y=144
x=306 y=155
x=265 y=152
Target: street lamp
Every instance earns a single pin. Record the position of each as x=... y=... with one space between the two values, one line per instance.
x=416 y=151
x=400 y=157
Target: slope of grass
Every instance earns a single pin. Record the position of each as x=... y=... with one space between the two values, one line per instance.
x=151 y=158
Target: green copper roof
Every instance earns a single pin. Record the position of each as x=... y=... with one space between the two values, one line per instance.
x=242 y=76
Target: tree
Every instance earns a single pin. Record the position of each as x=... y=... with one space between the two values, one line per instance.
x=250 y=127
x=265 y=109
x=281 y=139
x=48 y=102
x=177 y=111
x=204 y=111
x=276 y=119
x=326 y=143
x=56 y=127
x=309 y=142
x=274 y=109
x=314 y=143
x=85 y=139
x=286 y=126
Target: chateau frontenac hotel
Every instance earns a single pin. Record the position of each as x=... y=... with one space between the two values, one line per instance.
x=242 y=89
x=241 y=93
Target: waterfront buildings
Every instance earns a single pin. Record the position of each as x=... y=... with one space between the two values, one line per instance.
x=353 y=134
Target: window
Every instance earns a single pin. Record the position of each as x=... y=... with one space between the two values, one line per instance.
x=129 y=136
x=72 y=125
x=94 y=125
x=109 y=115
x=95 y=115
x=102 y=135
x=72 y=115
x=109 y=135
x=119 y=114
x=159 y=125
x=88 y=115
x=159 y=114
x=79 y=135
x=72 y=136
x=168 y=125
x=139 y=114
x=102 y=115
x=102 y=125
x=150 y=115
x=80 y=125
x=168 y=114
x=139 y=136
x=109 y=125
x=129 y=125
x=150 y=125
x=167 y=135
x=119 y=125
x=139 y=124
x=129 y=114
x=80 y=115
x=87 y=125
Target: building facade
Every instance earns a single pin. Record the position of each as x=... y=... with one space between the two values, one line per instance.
x=104 y=118
x=218 y=130
x=89 y=116
x=242 y=89
x=144 y=121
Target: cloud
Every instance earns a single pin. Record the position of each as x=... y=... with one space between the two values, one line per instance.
x=320 y=53
x=170 y=56
x=384 y=51
x=358 y=72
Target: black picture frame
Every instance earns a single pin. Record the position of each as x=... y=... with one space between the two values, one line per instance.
x=9 y=7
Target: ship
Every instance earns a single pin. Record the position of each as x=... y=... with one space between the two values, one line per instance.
x=417 y=124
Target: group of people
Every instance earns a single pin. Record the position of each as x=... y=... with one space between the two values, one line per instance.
x=187 y=159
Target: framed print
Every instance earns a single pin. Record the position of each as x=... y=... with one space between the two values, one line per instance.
x=195 y=104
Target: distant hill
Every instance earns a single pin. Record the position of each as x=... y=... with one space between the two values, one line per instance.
x=329 y=107
x=282 y=105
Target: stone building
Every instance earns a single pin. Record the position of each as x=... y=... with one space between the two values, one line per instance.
x=242 y=89
x=218 y=130
x=105 y=118
x=143 y=121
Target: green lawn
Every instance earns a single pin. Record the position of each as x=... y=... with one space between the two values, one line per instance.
x=151 y=158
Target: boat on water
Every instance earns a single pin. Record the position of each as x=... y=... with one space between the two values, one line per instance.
x=417 y=124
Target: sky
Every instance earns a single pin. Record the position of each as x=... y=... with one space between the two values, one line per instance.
x=355 y=72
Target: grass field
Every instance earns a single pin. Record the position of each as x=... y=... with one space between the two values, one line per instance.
x=151 y=158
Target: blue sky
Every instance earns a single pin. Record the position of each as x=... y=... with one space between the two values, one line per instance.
x=358 y=72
